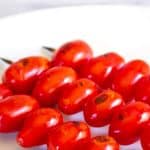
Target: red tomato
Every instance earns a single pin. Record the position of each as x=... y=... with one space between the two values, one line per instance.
x=99 y=110
x=14 y=109
x=142 y=90
x=21 y=76
x=37 y=125
x=145 y=137
x=47 y=89
x=100 y=143
x=127 y=77
x=80 y=91
x=68 y=135
x=72 y=53
x=4 y=91
x=99 y=69
x=127 y=123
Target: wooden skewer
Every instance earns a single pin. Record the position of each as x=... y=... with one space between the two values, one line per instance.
x=10 y=61
x=49 y=49
x=6 y=60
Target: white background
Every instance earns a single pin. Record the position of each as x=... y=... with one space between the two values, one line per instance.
x=9 y=7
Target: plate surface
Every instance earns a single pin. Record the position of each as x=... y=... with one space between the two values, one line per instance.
x=123 y=29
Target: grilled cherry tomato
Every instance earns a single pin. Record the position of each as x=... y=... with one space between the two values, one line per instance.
x=126 y=124
x=4 y=91
x=14 y=109
x=72 y=53
x=99 y=69
x=102 y=142
x=99 y=110
x=126 y=78
x=37 y=125
x=145 y=137
x=76 y=94
x=68 y=135
x=47 y=88
x=142 y=90
x=21 y=76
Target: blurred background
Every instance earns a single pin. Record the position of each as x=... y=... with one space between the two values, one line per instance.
x=9 y=7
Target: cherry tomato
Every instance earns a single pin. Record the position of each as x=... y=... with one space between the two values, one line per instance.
x=127 y=123
x=127 y=77
x=72 y=53
x=80 y=91
x=99 y=110
x=4 y=91
x=99 y=69
x=37 y=125
x=46 y=90
x=142 y=90
x=14 y=109
x=68 y=135
x=102 y=142
x=21 y=76
x=145 y=137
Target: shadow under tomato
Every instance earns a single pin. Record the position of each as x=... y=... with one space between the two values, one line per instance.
x=8 y=141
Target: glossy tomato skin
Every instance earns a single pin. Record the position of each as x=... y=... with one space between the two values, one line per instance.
x=72 y=53
x=126 y=78
x=142 y=90
x=102 y=142
x=99 y=110
x=4 y=91
x=99 y=69
x=145 y=136
x=46 y=90
x=14 y=109
x=21 y=76
x=126 y=124
x=37 y=126
x=76 y=94
x=68 y=135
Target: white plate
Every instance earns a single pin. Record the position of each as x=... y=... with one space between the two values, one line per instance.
x=123 y=29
